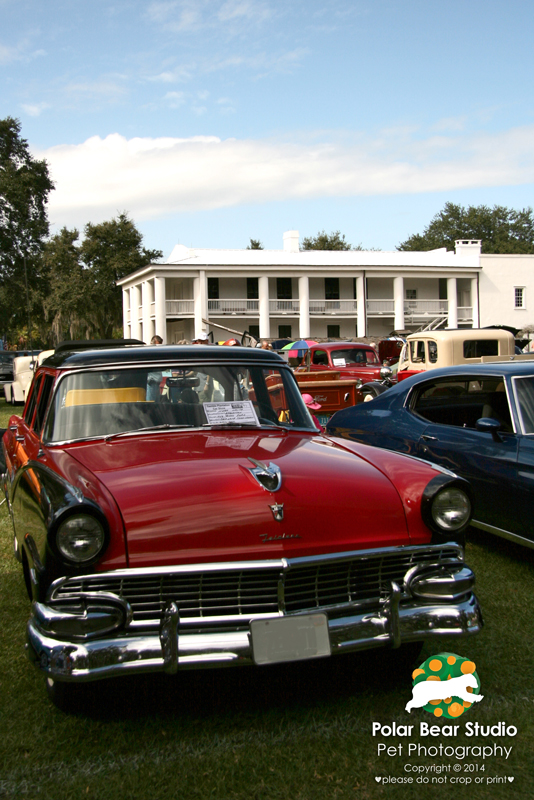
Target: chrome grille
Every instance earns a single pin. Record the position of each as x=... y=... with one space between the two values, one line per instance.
x=301 y=585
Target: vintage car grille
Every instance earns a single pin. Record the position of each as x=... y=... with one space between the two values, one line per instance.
x=304 y=585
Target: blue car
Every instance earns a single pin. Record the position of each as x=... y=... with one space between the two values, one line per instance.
x=477 y=421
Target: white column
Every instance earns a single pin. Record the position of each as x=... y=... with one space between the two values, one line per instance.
x=452 y=298
x=146 y=299
x=135 y=302
x=474 y=302
x=160 y=307
x=200 y=294
x=263 y=295
x=126 y=313
x=304 y=307
x=398 y=297
x=360 y=305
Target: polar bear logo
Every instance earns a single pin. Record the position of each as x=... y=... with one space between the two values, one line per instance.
x=426 y=691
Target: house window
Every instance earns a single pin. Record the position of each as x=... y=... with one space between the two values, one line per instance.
x=331 y=288
x=284 y=289
x=284 y=331
x=213 y=288
x=519 y=297
x=254 y=331
x=332 y=331
x=411 y=294
x=252 y=289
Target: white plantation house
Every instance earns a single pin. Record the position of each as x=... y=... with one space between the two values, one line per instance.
x=293 y=294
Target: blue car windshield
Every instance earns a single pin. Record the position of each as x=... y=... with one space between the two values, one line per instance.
x=108 y=402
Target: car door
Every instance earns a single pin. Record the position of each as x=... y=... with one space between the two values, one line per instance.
x=319 y=360
x=452 y=406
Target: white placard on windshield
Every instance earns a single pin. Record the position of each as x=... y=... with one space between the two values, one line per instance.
x=240 y=412
x=339 y=362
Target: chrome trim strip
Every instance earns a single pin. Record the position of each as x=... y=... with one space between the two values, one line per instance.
x=278 y=564
x=512 y=537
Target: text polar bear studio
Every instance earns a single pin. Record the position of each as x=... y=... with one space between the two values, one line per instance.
x=425 y=691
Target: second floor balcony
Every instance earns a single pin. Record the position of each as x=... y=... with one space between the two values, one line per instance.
x=415 y=311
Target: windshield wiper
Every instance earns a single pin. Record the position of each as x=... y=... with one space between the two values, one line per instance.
x=165 y=426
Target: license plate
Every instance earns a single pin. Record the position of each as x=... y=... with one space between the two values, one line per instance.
x=323 y=418
x=290 y=638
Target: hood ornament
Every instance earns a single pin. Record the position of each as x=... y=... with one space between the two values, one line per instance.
x=278 y=511
x=268 y=475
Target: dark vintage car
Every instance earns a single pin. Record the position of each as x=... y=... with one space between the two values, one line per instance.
x=475 y=420
x=176 y=508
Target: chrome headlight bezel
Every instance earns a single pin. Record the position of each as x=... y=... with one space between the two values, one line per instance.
x=459 y=497
x=80 y=523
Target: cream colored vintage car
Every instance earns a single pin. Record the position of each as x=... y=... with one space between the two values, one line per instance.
x=23 y=371
x=432 y=349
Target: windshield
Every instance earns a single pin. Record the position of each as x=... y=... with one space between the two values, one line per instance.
x=354 y=355
x=114 y=401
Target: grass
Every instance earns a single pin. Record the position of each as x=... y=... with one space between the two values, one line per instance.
x=301 y=732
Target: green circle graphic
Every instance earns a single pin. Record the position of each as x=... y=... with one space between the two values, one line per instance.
x=443 y=667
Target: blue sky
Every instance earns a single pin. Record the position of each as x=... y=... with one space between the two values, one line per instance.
x=214 y=121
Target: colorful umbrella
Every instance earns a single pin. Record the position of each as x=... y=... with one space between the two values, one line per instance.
x=298 y=349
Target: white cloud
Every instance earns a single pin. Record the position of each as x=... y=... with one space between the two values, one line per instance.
x=107 y=91
x=35 y=109
x=175 y=99
x=153 y=178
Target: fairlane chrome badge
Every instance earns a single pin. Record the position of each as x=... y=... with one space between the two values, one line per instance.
x=268 y=475
x=278 y=511
x=266 y=538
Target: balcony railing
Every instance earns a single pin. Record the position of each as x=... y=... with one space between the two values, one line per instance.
x=465 y=314
x=234 y=307
x=284 y=307
x=180 y=308
x=379 y=308
x=412 y=308
x=426 y=308
x=334 y=307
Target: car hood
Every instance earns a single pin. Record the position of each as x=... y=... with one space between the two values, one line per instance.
x=190 y=497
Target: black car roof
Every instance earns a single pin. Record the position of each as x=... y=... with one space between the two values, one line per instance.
x=161 y=353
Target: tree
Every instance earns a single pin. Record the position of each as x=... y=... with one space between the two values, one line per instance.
x=325 y=241
x=109 y=252
x=65 y=303
x=24 y=188
x=501 y=229
x=255 y=244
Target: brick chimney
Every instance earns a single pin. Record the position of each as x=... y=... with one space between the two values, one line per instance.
x=291 y=242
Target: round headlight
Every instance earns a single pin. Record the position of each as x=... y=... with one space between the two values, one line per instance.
x=451 y=509
x=80 y=538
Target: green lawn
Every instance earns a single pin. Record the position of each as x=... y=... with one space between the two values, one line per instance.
x=302 y=732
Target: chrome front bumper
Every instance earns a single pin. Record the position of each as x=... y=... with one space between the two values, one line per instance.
x=170 y=649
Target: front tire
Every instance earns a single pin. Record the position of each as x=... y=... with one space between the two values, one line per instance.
x=65 y=696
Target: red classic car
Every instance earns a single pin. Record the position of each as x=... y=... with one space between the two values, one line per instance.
x=171 y=511
x=351 y=359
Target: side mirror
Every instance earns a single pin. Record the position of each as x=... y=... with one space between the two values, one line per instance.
x=489 y=425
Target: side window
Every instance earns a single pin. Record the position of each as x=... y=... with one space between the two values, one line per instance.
x=417 y=352
x=476 y=348
x=320 y=357
x=48 y=382
x=32 y=401
x=462 y=402
x=433 y=352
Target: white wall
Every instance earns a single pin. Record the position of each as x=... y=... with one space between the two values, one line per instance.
x=500 y=275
